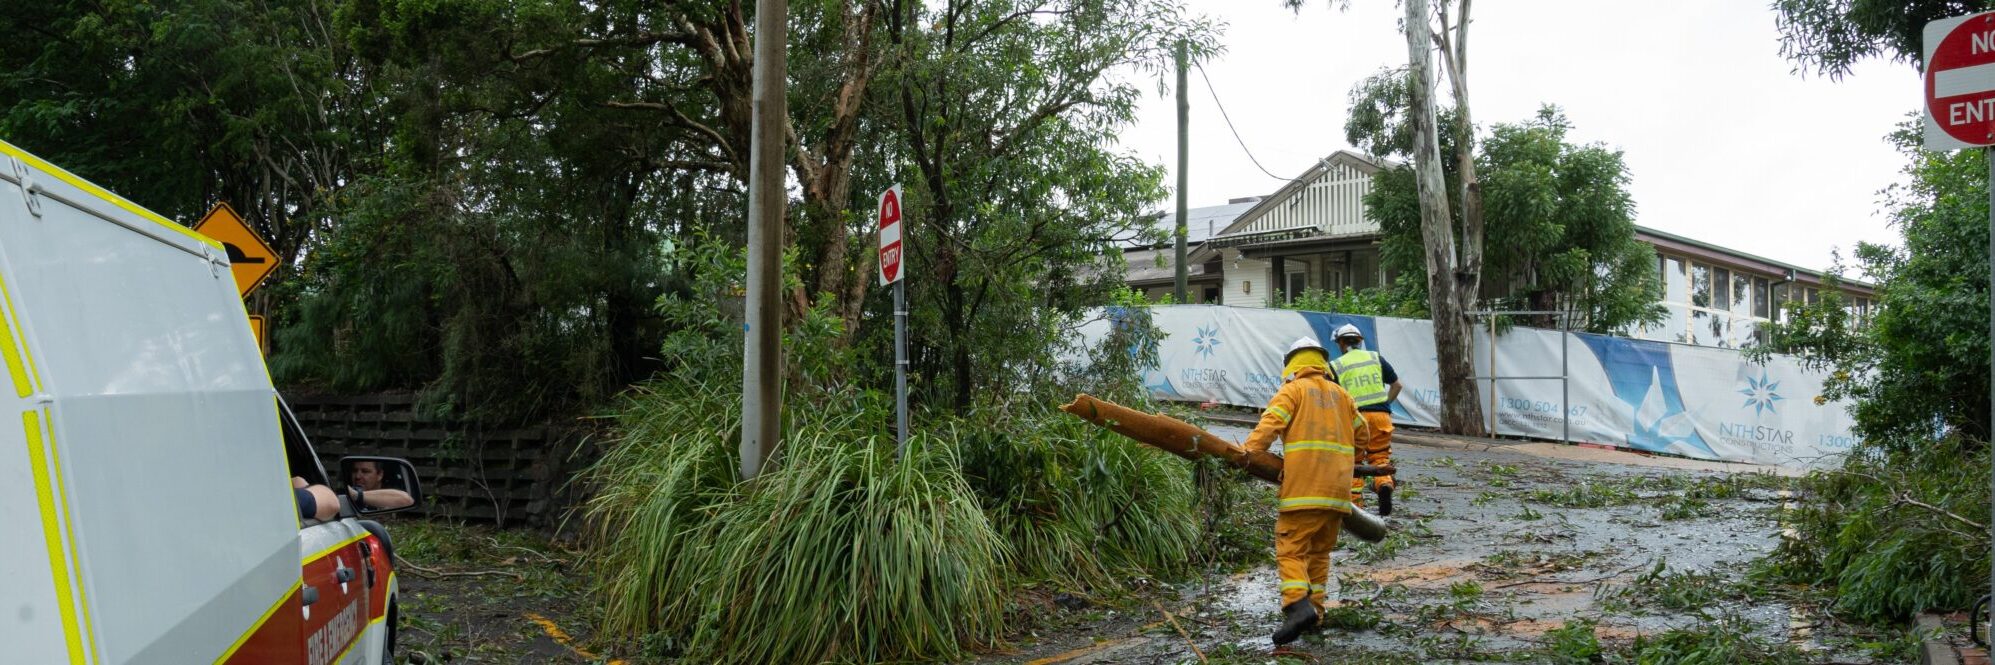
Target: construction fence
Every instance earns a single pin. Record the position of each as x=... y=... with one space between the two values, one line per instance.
x=1693 y=401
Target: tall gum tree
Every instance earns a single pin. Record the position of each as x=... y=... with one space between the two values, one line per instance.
x=1453 y=255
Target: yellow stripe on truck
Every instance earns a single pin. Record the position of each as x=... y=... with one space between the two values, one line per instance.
x=52 y=534
x=99 y=192
x=69 y=527
x=17 y=366
x=237 y=646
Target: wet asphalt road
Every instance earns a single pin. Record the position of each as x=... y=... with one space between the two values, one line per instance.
x=1491 y=549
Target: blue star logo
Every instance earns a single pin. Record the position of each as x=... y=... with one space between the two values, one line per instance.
x=1206 y=341
x=1759 y=394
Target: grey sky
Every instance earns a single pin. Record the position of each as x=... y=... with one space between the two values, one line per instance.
x=1724 y=142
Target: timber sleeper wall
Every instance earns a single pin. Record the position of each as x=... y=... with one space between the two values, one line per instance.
x=498 y=475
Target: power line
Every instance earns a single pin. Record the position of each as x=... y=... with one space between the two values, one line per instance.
x=1229 y=125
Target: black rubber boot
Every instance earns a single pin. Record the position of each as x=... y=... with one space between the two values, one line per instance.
x=1384 y=500
x=1297 y=617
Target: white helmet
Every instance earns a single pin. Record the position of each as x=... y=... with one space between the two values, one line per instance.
x=1303 y=344
x=1348 y=330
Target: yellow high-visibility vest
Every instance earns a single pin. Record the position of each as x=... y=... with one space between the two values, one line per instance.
x=1362 y=376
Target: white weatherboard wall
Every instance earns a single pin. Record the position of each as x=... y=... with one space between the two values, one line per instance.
x=1246 y=280
x=1698 y=402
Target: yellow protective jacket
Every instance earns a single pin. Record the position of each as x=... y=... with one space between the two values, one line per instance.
x=1317 y=422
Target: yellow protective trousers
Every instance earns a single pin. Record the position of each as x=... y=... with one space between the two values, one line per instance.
x=1375 y=449
x=1303 y=540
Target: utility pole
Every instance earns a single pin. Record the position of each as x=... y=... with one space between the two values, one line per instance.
x=762 y=376
x=1184 y=159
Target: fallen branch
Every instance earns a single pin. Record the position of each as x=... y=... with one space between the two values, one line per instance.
x=1907 y=499
x=401 y=563
x=1181 y=631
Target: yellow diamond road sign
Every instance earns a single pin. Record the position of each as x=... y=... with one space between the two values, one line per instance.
x=250 y=258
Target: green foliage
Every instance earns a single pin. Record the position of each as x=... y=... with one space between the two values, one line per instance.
x=1921 y=403
x=1831 y=36
x=1728 y=639
x=1683 y=590
x=1572 y=643
x=486 y=201
x=1011 y=192
x=1353 y=616
x=832 y=555
x=1558 y=219
x=1885 y=557
x=179 y=105
x=890 y=559
x=1399 y=300
x=1080 y=505
x=1584 y=494
x=1905 y=368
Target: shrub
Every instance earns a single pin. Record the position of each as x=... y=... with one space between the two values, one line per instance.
x=1861 y=534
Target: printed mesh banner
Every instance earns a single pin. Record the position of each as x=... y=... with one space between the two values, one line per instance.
x=1698 y=402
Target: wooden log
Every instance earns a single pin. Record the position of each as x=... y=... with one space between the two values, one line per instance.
x=1188 y=441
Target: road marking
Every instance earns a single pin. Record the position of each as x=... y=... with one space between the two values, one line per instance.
x=561 y=637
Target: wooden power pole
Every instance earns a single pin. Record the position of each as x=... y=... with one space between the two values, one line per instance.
x=761 y=376
x=1184 y=160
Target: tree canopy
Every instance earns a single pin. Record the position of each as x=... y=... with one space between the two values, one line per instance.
x=1558 y=217
x=1831 y=36
x=1914 y=369
x=508 y=205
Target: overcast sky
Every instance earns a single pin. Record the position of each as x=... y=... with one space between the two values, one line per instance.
x=1724 y=142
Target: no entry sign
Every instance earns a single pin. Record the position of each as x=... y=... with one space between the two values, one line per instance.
x=890 y=235
x=1960 y=82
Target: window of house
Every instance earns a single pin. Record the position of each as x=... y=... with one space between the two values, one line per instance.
x=1808 y=296
x=1364 y=268
x=1675 y=287
x=1742 y=294
x=1700 y=285
x=1721 y=289
x=1211 y=295
x=1336 y=275
x=1297 y=283
x=1762 y=307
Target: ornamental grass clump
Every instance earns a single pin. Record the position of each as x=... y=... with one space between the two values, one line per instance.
x=839 y=552
x=1081 y=506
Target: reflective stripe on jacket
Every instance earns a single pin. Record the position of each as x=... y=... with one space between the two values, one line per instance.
x=1362 y=376
x=1317 y=423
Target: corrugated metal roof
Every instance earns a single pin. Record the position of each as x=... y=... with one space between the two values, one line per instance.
x=1200 y=223
x=1144 y=266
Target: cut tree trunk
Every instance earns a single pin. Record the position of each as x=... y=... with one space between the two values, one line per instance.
x=1188 y=441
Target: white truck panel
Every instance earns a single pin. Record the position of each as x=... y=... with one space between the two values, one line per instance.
x=163 y=419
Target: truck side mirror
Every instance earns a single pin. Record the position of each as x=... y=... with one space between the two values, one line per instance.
x=387 y=484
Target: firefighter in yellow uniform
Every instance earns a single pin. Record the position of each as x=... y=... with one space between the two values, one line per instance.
x=1316 y=421
x=1372 y=383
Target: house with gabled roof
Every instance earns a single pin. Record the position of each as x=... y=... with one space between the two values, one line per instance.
x=1313 y=233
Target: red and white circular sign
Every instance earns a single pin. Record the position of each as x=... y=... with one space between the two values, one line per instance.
x=890 y=235
x=1960 y=81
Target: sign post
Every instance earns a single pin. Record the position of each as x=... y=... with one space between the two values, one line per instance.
x=251 y=260
x=1960 y=113
x=892 y=269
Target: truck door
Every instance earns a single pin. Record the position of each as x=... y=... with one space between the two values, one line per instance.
x=334 y=597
